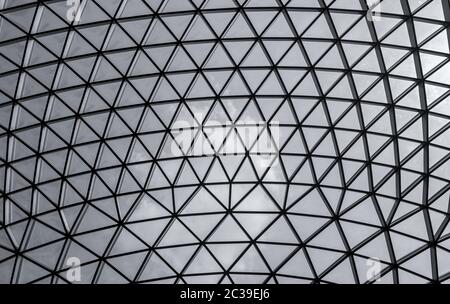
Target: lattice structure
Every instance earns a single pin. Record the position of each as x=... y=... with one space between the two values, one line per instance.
x=92 y=165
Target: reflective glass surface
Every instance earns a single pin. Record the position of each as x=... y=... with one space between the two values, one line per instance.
x=225 y=141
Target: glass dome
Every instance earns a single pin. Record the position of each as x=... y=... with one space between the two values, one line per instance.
x=224 y=141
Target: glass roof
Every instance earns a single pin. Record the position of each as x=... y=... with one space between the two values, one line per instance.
x=225 y=141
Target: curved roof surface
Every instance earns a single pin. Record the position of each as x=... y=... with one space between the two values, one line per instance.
x=245 y=141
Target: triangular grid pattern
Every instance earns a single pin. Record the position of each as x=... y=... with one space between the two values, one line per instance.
x=90 y=165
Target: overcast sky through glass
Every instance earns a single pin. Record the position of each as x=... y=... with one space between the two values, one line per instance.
x=225 y=141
